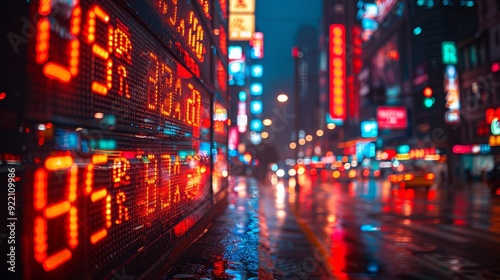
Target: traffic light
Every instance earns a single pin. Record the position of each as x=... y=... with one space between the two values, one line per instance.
x=428 y=100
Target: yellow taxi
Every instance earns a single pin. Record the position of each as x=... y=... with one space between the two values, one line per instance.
x=412 y=176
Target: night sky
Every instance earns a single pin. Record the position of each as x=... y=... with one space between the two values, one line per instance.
x=280 y=20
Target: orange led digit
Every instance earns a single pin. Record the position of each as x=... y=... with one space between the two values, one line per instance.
x=123 y=88
x=153 y=82
x=54 y=70
x=99 y=159
x=151 y=186
x=122 y=44
x=40 y=189
x=101 y=233
x=165 y=192
x=55 y=210
x=45 y=7
x=58 y=163
x=173 y=18
x=121 y=166
x=168 y=90
x=100 y=52
x=122 y=209
x=195 y=37
x=98 y=195
x=193 y=107
x=57 y=259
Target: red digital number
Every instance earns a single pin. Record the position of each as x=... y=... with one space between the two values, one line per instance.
x=97 y=195
x=100 y=52
x=54 y=210
x=193 y=107
x=53 y=70
x=151 y=184
x=152 y=90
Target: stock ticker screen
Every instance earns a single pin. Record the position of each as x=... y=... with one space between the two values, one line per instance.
x=117 y=146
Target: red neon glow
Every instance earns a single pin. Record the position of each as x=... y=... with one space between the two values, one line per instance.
x=391 y=117
x=491 y=114
x=54 y=70
x=337 y=72
x=495 y=67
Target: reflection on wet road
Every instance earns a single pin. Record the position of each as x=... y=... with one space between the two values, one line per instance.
x=348 y=230
x=369 y=229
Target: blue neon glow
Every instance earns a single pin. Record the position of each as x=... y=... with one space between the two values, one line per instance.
x=256 y=89
x=369 y=129
x=235 y=67
x=370 y=228
x=242 y=96
x=257 y=71
x=256 y=107
x=256 y=125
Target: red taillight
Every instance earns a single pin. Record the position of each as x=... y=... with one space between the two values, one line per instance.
x=366 y=172
x=429 y=176
x=313 y=172
x=392 y=178
x=409 y=177
x=376 y=173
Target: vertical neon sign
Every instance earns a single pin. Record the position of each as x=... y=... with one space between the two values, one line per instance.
x=337 y=72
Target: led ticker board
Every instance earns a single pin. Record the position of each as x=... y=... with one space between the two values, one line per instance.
x=116 y=122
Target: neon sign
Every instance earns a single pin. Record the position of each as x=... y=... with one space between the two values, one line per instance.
x=337 y=72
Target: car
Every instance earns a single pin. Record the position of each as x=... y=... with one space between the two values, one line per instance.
x=411 y=176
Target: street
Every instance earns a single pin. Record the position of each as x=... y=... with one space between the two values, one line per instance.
x=348 y=230
x=370 y=229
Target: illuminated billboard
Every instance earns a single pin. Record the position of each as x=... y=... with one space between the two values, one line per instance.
x=116 y=120
x=386 y=68
x=391 y=117
x=337 y=72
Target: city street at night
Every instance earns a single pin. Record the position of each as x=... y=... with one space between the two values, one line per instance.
x=349 y=230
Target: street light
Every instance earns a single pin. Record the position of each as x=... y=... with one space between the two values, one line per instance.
x=319 y=132
x=331 y=126
x=282 y=98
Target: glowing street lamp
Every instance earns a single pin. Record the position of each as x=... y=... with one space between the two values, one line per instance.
x=282 y=98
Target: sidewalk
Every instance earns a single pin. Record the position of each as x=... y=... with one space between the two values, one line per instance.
x=234 y=246
x=257 y=237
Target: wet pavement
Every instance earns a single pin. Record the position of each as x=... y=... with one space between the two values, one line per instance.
x=348 y=230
